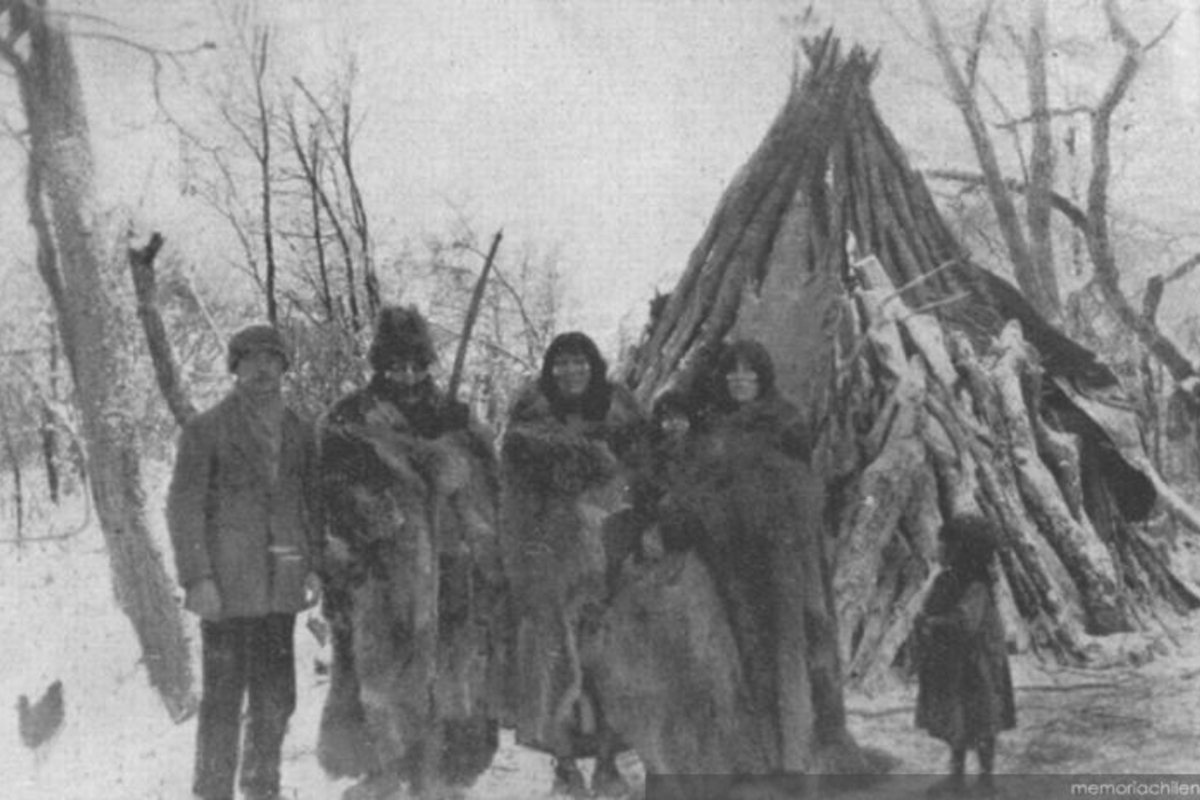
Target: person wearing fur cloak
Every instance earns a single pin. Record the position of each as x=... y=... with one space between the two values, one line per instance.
x=965 y=691
x=562 y=477
x=720 y=657
x=764 y=539
x=414 y=578
x=753 y=512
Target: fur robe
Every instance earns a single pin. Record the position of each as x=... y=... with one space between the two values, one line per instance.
x=416 y=605
x=560 y=483
x=743 y=639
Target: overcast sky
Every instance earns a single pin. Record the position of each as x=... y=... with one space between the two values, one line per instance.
x=606 y=128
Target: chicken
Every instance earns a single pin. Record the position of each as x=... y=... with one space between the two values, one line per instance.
x=41 y=720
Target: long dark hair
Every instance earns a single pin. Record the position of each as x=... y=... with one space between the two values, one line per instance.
x=594 y=402
x=975 y=539
x=753 y=355
x=673 y=401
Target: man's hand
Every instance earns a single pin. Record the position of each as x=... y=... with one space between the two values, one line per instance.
x=312 y=589
x=204 y=600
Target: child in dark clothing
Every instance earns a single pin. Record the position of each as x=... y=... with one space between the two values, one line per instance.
x=965 y=694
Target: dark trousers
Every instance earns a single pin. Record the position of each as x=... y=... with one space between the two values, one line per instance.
x=249 y=657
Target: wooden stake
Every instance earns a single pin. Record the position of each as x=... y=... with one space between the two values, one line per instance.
x=464 y=341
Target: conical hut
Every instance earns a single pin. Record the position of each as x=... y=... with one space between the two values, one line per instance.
x=930 y=385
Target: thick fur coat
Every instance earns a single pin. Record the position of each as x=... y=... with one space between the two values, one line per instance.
x=560 y=482
x=416 y=601
x=753 y=513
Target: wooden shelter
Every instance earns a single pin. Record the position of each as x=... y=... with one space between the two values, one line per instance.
x=930 y=384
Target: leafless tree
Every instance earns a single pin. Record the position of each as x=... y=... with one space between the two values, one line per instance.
x=75 y=261
x=1030 y=249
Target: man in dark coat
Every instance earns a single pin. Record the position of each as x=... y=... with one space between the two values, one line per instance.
x=414 y=587
x=245 y=536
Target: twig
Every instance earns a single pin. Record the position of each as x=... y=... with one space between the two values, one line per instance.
x=920 y=279
x=71 y=534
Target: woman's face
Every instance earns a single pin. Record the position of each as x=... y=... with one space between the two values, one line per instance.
x=742 y=383
x=572 y=373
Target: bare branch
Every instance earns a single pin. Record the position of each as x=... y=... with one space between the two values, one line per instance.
x=1156 y=285
x=8 y=52
x=1006 y=214
x=1018 y=145
x=1050 y=113
x=978 y=37
x=310 y=165
x=150 y=50
x=1062 y=204
x=488 y=345
x=1161 y=34
x=141 y=267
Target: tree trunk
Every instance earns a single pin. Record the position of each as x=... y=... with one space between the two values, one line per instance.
x=49 y=438
x=1041 y=156
x=90 y=321
x=166 y=371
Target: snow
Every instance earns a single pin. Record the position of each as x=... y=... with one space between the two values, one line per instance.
x=58 y=620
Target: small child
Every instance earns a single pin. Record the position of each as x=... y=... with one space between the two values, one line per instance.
x=965 y=694
x=640 y=530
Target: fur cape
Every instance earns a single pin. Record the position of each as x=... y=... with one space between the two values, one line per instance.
x=416 y=600
x=560 y=482
x=753 y=514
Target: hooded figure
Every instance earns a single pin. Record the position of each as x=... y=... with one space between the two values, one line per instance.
x=415 y=578
x=563 y=476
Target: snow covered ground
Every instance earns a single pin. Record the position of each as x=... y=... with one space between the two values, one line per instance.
x=58 y=621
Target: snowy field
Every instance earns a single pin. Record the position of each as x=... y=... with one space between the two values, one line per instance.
x=58 y=621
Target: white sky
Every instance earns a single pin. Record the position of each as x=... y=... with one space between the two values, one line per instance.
x=608 y=128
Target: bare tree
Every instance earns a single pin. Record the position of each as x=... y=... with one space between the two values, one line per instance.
x=322 y=143
x=1033 y=263
x=65 y=213
x=1034 y=275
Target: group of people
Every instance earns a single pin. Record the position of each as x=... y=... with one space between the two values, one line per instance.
x=469 y=587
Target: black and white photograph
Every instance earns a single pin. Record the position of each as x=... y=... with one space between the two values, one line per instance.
x=630 y=400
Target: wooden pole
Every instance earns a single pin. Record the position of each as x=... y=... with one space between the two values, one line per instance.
x=464 y=341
